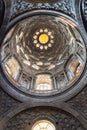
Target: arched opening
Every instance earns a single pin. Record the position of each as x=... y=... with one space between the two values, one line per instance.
x=43 y=125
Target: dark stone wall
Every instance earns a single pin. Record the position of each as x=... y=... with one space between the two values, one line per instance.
x=1 y=12
x=79 y=102
x=6 y=102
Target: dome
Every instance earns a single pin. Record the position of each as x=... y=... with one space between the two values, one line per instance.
x=43 y=55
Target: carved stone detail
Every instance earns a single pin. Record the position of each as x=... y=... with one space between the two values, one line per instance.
x=65 y=6
x=79 y=104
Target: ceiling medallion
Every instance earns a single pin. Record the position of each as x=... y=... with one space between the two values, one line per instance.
x=43 y=56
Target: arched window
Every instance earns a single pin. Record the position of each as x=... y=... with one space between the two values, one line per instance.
x=43 y=125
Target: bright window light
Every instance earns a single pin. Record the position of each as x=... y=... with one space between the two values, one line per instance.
x=43 y=125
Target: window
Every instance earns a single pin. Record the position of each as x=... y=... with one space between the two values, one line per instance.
x=43 y=84
x=43 y=125
x=12 y=68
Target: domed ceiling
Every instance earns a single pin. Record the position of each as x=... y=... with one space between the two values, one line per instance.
x=43 y=55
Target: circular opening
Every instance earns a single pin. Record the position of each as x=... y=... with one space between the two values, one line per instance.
x=43 y=125
x=44 y=59
x=43 y=38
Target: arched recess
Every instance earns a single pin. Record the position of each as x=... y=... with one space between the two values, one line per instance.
x=25 y=106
